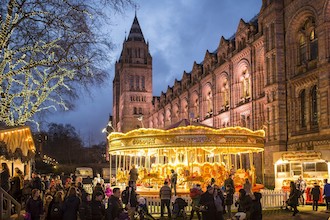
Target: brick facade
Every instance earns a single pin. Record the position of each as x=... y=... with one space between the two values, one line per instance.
x=272 y=74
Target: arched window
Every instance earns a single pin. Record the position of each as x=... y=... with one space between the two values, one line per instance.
x=134 y=110
x=140 y=111
x=313 y=45
x=302 y=49
x=303 y=109
x=314 y=111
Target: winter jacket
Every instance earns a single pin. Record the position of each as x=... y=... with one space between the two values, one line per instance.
x=34 y=207
x=70 y=208
x=316 y=192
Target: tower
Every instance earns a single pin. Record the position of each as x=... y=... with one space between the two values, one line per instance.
x=132 y=84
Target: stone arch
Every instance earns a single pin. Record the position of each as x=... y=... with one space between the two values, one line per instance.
x=184 y=108
x=224 y=90
x=244 y=79
x=207 y=99
x=326 y=11
x=194 y=104
x=293 y=35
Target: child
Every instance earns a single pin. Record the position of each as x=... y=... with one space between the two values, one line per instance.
x=315 y=193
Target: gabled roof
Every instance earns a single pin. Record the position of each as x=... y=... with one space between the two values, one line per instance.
x=135 y=33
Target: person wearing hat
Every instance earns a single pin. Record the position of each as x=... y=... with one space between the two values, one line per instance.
x=207 y=204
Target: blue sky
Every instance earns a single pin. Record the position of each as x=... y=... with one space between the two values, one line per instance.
x=178 y=31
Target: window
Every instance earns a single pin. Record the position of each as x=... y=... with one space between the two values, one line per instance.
x=137 y=78
x=302 y=49
x=134 y=110
x=309 y=167
x=313 y=45
x=131 y=82
x=302 y=109
x=140 y=111
x=272 y=34
x=267 y=38
x=143 y=82
x=314 y=112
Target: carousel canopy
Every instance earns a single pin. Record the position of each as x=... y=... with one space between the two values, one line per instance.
x=230 y=140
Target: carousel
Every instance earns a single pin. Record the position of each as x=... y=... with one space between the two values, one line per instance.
x=196 y=153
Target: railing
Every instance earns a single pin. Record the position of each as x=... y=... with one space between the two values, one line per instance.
x=270 y=199
x=273 y=198
x=6 y=202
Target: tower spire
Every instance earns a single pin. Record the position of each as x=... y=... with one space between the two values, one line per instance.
x=135 y=33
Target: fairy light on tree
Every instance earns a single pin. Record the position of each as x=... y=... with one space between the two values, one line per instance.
x=50 y=50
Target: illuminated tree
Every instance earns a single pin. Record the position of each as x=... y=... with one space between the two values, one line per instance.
x=49 y=49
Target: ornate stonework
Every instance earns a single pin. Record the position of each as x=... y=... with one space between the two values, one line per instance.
x=273 y=73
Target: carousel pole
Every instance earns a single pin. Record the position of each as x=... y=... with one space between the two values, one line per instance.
x=124 y=162
x=235 y=162
x=110 y=160
x=262 y=167
x=240 y=161
x=119 y=164
x=130 y=161
x=116 y=167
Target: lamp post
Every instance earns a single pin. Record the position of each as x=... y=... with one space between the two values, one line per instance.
x=108 y=131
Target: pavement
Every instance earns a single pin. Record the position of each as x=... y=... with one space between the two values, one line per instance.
x=305 y=213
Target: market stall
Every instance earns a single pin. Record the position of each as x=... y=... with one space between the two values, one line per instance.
x=312 y=166
x=196 y=153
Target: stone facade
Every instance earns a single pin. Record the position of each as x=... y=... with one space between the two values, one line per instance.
x=272 y=74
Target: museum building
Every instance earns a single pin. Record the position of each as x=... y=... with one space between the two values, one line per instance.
x=272 y=74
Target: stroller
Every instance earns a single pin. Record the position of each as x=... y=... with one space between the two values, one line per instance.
x=178 y=208
x=142 y=212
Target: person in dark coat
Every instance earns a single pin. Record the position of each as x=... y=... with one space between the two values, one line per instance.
x=115 y=207
x=36 y=181
x=129 y=198
x=133 y=174
x=85 y=209
x=316 y=193
x=98 y=209
x=55 y=208
x=230 y=181
x=15 y=185
x=208 y=208
x=256 y=208
x=71 y=205
x=4 y=176
x=293 y=198
x=244 y=203
x=34 y=205
x=219 y=201
x=229 y=199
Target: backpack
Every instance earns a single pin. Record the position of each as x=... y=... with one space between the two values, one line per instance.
x=56 y=211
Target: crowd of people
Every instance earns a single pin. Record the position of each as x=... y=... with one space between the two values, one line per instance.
x=58 y=197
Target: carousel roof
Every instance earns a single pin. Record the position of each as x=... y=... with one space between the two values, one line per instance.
x=225 y=140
